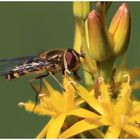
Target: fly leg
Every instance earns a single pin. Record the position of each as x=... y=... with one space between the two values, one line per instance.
x=76 y=76
x=36 y=91
x=64 y=72
x=57 y=81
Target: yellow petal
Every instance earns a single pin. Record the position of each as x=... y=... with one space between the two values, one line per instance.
x=134 y=131
x=136 y=103
x=90 y=99
x=105 y=98
x=29 y=106
x=136 y=108
x=55 y=127
x=69 y=94
x=80 y=127
x=135 y=118
x=83 y=113
x=68 y=101
x=68 y=84
x=123 y=105
x=54 y=106
x=106 y=120
x=54 y=97
x=79 y=101
x=136 y=111
x=119 y=74
x=43 y=132
x=104 y=90
x=113 y=132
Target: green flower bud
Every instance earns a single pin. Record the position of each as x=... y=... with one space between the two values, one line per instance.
x=120 y=29
x=81 y=9
x=98 y=38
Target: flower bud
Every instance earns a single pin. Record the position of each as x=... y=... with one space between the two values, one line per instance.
x=98 y=38
x=120 y=29
x=81 y=9
x=103 y=5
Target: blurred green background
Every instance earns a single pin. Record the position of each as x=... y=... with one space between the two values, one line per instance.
x=28 y=28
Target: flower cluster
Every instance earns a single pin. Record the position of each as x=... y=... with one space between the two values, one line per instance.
x=105 y=108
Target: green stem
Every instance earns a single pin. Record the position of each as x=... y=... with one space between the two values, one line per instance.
x=105 y=69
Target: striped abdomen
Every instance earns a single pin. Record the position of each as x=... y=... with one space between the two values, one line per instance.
x=24 y=69
x=15 y=74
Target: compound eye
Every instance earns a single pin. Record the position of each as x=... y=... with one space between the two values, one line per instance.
x=70 y=59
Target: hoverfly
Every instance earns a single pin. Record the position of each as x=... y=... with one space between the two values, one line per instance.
x=48 y=62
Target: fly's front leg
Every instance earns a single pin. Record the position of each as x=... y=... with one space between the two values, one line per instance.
x=36 y=91
x=70 y=81
x=57 y=81
x=76 y=76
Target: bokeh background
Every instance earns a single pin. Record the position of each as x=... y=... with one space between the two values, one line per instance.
x=27 y=28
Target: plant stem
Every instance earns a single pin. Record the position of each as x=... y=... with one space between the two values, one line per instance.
x=105 y=69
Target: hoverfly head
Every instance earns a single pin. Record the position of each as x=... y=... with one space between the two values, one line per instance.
x=72 y=59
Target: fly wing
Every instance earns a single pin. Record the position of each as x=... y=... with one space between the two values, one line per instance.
x=21 y=59
x=7 y=65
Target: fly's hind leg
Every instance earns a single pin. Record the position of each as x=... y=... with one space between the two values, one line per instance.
x=40 y=86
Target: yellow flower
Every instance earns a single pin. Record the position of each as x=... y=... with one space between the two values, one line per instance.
x=121 y=116
x=58 y=106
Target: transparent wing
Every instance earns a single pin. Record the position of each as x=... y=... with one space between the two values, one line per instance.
x=17 y=59
x=6 y=65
